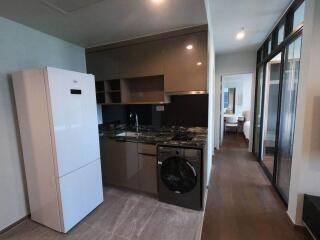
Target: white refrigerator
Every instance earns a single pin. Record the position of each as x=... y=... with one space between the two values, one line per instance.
x=60 y=142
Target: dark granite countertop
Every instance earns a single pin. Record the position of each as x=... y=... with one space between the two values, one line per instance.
x=157 y=135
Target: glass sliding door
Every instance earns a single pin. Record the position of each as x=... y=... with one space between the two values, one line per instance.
x=270 y=115
x=288 y=115
x=257 y=126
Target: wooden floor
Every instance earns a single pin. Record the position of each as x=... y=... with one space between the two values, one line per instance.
x=242 y=203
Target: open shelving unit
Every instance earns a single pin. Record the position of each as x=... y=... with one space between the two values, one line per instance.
x=113 y=91
x=100 y=92
x=142 y=90
x=108 y=91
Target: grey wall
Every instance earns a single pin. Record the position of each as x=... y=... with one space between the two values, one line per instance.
x=211 y=90
x=230 y=64
x=243 y=85
x=21 y=48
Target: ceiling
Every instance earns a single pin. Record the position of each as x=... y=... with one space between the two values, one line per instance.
x=257 y=17
x=90 y=23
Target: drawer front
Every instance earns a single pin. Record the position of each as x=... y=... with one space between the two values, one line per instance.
x=150 y=149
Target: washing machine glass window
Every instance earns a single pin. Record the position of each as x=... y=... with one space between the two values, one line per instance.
x=178 y=175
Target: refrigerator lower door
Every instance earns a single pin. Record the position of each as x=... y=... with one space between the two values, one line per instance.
x=81 y=192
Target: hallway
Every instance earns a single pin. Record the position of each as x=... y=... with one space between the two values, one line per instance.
x=242 y=203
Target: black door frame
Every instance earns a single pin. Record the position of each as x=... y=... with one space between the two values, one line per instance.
x=290 y=36
x=279 y=110
x=266 y=170
x=273 y=178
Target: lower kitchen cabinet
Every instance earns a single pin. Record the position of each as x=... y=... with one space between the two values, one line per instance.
x=119 y=162
x=130 y=165
x=148 y=173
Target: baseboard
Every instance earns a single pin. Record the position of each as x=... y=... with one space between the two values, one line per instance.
x=309 y=231
x=292 y=221
x=199 y=232
x=301 y=227
x=14 y=224
x=211 y=171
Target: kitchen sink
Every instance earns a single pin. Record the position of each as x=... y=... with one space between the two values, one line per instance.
x=129 y=134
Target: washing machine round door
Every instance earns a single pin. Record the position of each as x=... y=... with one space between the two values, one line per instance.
x=178 y=175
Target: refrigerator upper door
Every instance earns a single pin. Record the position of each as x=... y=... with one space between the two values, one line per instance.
x=74 y=116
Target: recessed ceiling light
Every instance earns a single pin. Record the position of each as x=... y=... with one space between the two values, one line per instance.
x=157 y=1
x=240 y=35
x=199 y=63
x=189 y=47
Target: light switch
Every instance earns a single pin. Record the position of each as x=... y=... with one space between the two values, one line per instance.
x=160 y=108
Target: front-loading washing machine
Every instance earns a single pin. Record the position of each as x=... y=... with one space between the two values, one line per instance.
x=180 y=176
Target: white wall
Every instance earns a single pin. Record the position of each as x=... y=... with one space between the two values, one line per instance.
x=305 y=174
x=243 y=85
x=211 y=85
x=20 y=48
x=228 y=64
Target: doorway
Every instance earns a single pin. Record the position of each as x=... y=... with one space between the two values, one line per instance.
x=235 y=108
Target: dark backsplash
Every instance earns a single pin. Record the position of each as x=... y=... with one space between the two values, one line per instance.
x=185 y=110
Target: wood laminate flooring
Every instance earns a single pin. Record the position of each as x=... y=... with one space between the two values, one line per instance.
x=242 y=204
x=124 y=215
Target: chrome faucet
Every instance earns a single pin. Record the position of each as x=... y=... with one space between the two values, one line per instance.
x=137 y=120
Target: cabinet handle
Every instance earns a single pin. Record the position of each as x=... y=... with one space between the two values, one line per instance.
x=147 y=154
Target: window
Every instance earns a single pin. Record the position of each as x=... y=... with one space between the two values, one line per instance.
x=288 y=115
x=261 y=55
x=269 y=46
x=229 y=99
x=298 y=16
x=281 y=34
x=226 y=98
x=270 y=113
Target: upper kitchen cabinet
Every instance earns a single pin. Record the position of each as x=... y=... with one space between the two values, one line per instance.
x=141 y=60
x=179 y=57
x=129 y=61
x=185 y=63
x=104 y=64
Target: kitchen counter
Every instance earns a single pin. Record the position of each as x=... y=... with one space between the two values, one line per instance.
x=129 y=159
x=158 y=135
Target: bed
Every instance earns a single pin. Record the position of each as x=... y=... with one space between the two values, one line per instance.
x=246 y=124
x=246 y=129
